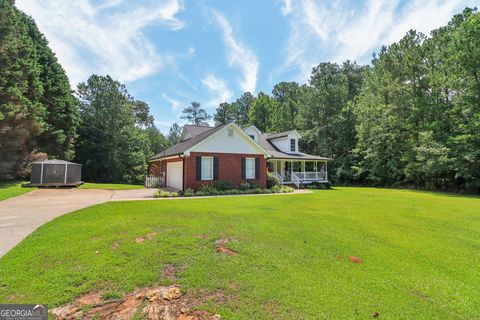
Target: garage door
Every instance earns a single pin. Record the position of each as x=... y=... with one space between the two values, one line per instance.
x=175 y=175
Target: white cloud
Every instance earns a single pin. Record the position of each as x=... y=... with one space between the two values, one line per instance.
x=219 y=88
x=286 y=7
x=174 y=104
x=105 y=39
x=332 y=31
x=239 y=55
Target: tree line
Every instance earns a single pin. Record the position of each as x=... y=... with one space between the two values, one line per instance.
x=411 y=118
x=98 y=125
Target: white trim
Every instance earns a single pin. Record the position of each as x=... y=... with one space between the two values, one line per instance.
x=179 y=156
x=201 y=168
x=66 y=170
x=253 y=168
x=241 y=132
x=254 y=128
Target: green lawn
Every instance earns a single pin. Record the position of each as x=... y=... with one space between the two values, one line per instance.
x=420 y=251
x=12 y=189
x=110 y=186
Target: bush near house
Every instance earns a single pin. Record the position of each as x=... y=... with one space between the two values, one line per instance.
x=222 y=188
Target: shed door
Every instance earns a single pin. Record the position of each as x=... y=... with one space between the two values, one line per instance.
x=175 y=175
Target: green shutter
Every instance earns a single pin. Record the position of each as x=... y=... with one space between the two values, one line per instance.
x=243 y=168
x=199 y=168
x=215 y=168
x=257 y=168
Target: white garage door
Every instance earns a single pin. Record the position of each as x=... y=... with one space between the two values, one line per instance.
x=175 y=175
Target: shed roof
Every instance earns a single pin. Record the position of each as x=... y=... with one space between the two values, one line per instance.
x=54 y=161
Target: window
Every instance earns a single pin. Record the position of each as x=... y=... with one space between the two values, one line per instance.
x=250 y=168
x=292 y=144
x=252 y=136
x=207 y=168
x=230 y=132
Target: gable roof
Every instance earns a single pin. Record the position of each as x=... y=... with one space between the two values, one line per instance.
x=183 y=146
x=186 y=145
x=264 y=138
x=278 y=135
x=190 y=131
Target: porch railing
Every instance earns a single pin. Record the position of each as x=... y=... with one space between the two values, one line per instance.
x=311 y=175
x=295 y=179
x=155 y=181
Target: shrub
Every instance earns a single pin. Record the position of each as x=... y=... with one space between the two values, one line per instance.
x=272 y=180
x=244 y=186
x=189 y=192
x=165 y=194
x=222 y=185
x=319 y=185
x=282 y=189
x=208 y=189
x=254 y=185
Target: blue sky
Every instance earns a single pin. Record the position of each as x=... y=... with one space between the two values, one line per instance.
x=172 y=52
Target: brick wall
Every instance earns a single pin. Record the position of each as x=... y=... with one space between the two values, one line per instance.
x=230 y=169
x=156 y=167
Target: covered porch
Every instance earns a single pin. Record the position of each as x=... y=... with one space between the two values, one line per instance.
x=297 y=172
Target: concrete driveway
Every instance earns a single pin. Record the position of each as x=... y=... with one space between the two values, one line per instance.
x=20 y=216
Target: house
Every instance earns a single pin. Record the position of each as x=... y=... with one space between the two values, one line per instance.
x=228 y=153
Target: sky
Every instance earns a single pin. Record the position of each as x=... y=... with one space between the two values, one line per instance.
x=172 y=52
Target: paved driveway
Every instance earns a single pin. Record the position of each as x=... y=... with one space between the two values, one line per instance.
x=20 y=216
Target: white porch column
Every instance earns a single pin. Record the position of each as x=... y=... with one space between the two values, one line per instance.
x=303 y=169
x=316 y=170
x=326 y=170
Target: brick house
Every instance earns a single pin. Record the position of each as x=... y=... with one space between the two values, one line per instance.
x=228 y=153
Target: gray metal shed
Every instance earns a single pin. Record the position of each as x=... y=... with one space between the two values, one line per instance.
x=55 y=173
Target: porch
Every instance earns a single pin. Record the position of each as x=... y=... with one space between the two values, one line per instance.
x=299 y=172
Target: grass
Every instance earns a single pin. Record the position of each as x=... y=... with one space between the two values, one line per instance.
x=420 y=251
x=110 y=186
x=12 y=189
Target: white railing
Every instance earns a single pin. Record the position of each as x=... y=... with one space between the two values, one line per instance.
x=276 y=174
x=295 y=180
x=154 y=181
x=311 y=175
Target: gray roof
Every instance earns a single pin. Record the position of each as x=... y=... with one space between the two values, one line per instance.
x=196 y=130
x=277 y=154
x=55 y=161
x=183 y=146
x=278 y=135
x=201 y=133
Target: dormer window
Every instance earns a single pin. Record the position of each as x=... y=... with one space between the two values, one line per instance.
x=292 y=145
x=252 y=136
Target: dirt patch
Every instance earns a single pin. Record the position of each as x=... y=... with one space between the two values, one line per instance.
x=355 y=259
x=220 y=245
x=149 y=236
x=225 y=250
x=115 y=245
x=376 y=314
x=159 y=303
x=93 y=297
x=169 y=272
